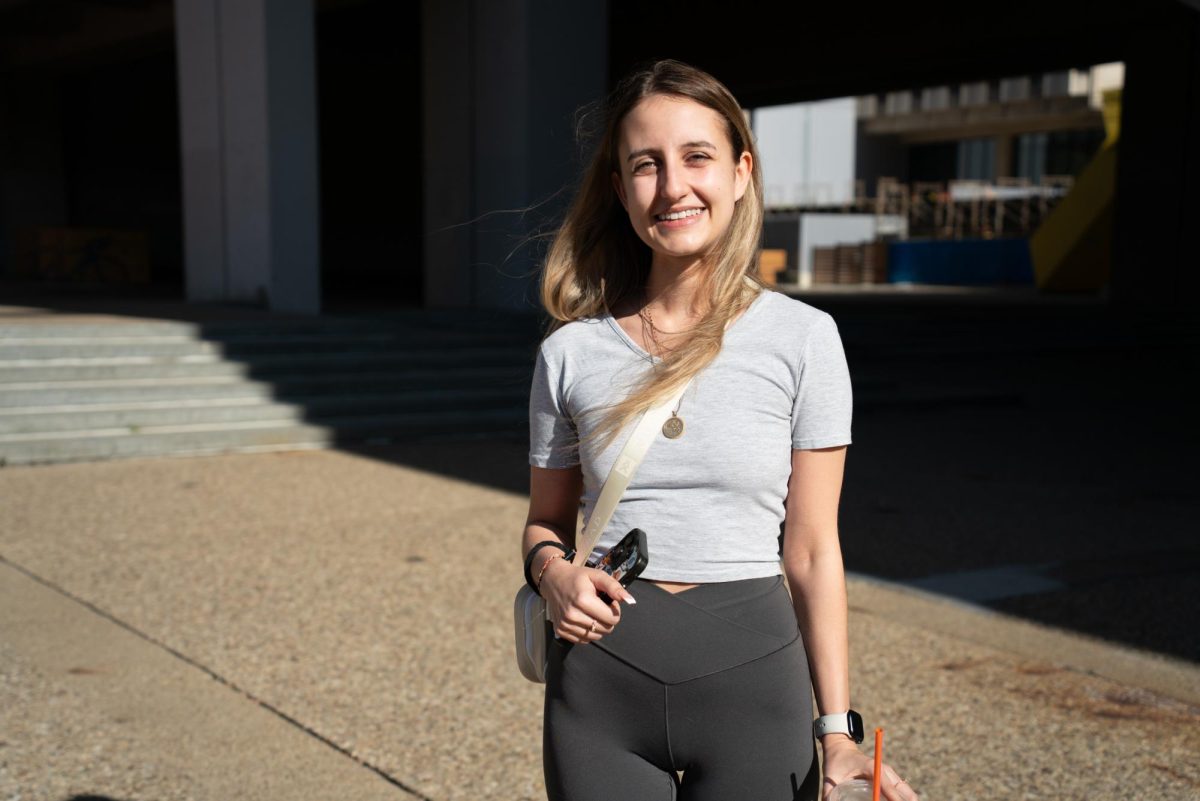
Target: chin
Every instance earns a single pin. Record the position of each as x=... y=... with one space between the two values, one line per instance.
x=686 y=252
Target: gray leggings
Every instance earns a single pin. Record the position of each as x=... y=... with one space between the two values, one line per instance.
x=712 y=682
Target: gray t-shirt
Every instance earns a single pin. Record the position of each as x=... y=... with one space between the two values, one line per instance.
x=711 y=502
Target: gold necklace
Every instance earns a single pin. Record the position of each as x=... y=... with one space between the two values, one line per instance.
x=645 y=314
x=672 y=428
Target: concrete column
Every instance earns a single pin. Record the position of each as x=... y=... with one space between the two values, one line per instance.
x=1158 y=167
x=502 y=82
x=247 y=96
x=502 y=96
x=447 y=118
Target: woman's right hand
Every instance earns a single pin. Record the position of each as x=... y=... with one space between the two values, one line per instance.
x=573 y=603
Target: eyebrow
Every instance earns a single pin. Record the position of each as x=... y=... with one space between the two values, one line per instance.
x=646 y=151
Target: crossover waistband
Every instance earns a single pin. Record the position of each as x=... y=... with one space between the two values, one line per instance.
x=679 y=637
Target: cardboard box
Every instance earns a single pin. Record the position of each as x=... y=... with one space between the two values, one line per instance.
x=771 y=263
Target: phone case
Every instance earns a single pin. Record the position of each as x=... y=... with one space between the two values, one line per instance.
x=626 y=560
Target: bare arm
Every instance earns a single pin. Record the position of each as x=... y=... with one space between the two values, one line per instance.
x=812 y=560
x=572 y=602
x=553 y=510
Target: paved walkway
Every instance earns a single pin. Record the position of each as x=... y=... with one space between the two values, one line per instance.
x=332 y=625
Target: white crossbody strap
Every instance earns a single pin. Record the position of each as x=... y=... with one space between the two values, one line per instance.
x=628 y=460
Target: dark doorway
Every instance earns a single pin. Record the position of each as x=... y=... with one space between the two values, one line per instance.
x=120 y=124
x=368 y=79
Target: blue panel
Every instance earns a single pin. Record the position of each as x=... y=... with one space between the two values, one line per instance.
x=961 y=262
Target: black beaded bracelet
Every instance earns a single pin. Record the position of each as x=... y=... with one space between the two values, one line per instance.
x=533 y=552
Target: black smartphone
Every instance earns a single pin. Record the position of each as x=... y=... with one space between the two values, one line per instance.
x=626 y=560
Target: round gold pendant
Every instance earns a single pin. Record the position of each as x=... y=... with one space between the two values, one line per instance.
x=673 y=428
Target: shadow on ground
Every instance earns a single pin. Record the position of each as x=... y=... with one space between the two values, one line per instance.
x=1036 y=460
x=1033 y=456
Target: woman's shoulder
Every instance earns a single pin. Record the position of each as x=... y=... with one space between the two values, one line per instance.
x=568 y=338
x=782 y=311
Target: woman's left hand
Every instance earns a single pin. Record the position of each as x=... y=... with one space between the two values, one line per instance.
x=844 y=761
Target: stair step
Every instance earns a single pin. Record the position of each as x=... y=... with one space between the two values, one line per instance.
x=292 y=388
x=245 y=348
x=201 y=439
x=67 y=368
x=132 y=417
x=421 y=324
x=85 y=391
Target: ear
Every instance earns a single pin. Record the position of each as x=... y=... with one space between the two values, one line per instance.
x=741 y=175
x=619 y=188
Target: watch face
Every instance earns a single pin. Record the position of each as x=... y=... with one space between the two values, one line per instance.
x=855 y=721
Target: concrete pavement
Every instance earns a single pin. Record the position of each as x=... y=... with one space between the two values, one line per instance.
x=92 y=707
x=335 y=625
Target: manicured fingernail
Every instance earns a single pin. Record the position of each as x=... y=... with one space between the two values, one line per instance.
x=629 y=599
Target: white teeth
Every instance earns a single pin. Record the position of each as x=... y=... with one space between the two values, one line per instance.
x=679 y=215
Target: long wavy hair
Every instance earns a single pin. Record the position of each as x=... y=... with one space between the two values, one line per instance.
x=597 y=259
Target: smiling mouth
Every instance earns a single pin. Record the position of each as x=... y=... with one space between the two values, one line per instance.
x=677 y=215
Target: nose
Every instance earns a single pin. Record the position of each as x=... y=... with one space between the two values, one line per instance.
x=671 y=185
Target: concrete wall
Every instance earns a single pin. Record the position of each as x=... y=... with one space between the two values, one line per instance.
x=502 y=82
x=1157 y=264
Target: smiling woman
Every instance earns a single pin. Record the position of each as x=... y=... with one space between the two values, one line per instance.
x=652 y=287
x=680 y=195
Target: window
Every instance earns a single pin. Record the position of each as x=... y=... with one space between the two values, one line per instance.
x=1031 y=156
x=974 y=94
x=898 y=103
x=935 y=98
x=1056 y=84
x=1012 y=89
x=977 y=159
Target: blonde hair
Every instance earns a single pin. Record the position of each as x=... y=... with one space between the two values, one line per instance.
x=597 y=259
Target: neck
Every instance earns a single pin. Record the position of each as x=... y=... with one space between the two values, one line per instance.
x=673 y=289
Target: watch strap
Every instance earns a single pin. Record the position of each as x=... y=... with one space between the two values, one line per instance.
x=839 y=723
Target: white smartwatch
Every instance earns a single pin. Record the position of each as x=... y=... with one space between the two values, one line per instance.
x=848 y=722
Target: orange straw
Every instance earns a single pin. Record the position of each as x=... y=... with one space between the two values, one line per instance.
x=878 y=765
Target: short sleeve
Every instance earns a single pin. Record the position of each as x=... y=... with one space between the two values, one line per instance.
x=553 y=441
x=823 y=407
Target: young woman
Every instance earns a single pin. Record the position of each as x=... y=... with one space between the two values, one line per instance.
x=650 y=282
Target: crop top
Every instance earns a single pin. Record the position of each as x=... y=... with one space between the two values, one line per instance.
x=711 y=501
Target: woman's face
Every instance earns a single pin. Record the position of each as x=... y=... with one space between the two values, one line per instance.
x=678 y=177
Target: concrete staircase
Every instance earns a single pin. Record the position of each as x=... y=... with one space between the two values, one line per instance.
x=86 y=391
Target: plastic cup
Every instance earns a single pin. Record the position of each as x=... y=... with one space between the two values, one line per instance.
x=853 y=790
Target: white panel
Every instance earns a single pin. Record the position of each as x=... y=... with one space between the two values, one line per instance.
x=1105 y=76
x=807 y=152
x=831 y=152
x=779 y=131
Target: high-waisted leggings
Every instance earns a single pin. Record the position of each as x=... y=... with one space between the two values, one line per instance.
x=712 y=682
